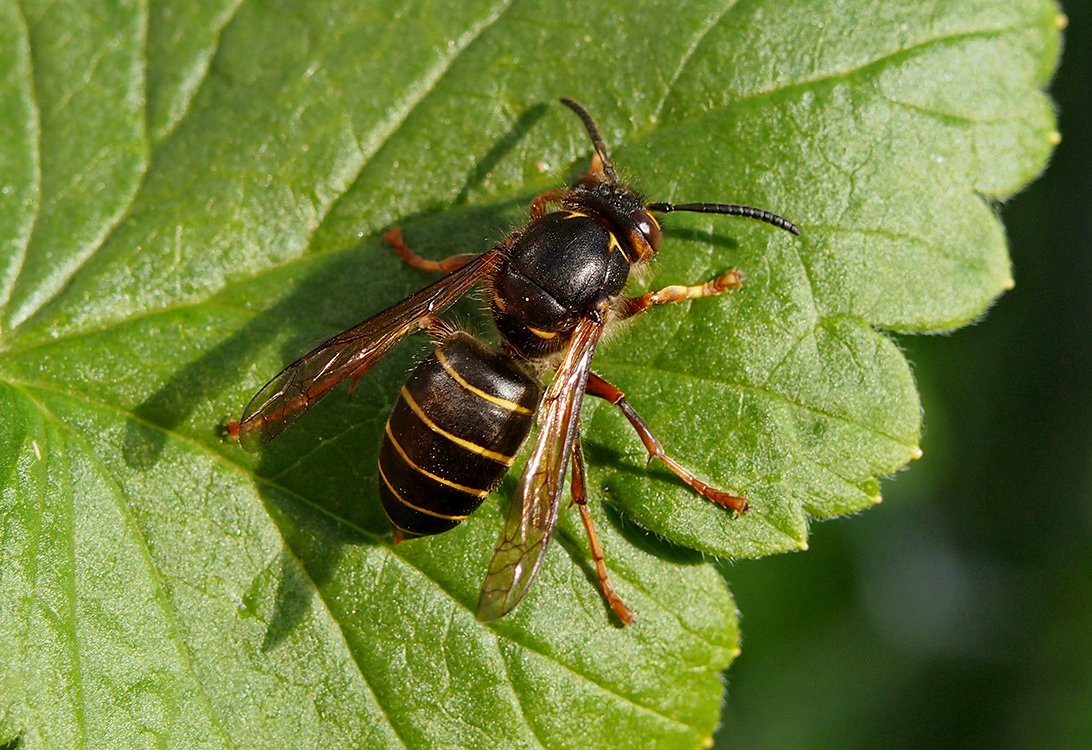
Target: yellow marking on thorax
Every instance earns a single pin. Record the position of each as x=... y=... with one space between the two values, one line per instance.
x=502 y=402
x=575 y=215
x=410 y=505
x=472 y=447
x=429 y=474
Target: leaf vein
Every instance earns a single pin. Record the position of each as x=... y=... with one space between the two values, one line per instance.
x=572 y=542
x=13 y=274
x=498 y=632
x=70 y=592
x=688 y=54
x=383 y=709
x=405 y=108
x=515 y=694
x=126 y=511
x=862 y=69
x=762 y=390
x=54 y=285
x=120 y=412
x=201 y=76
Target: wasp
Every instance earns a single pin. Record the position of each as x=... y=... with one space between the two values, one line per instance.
x=555 y=287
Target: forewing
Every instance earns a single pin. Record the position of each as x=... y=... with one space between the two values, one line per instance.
x=351 y=353
x=533 y=513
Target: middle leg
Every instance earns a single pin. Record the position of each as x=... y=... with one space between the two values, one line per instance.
x=599 y=387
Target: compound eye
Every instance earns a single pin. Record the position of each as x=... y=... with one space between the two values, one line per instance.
x=649 y=228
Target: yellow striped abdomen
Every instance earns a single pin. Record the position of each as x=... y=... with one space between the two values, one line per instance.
x=458 y=424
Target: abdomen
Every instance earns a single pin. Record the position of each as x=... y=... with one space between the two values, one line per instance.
x=458 y=424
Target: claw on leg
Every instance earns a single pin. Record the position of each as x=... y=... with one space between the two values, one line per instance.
x=599 y=387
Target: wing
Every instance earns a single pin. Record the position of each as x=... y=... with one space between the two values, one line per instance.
x=351 y=353
x=533 y=513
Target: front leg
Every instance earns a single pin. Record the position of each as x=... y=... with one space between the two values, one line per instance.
x=538 y=204
x=677 y=293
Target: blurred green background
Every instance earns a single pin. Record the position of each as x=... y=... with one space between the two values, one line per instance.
x=958 y=613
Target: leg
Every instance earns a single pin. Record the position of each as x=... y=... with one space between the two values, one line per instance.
x=580 y=499
x=393 y=236
x=538 y=205
x=604 y=390
x=675 y=293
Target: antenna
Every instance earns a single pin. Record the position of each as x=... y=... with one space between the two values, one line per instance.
x=728 y=209
x=593 y=132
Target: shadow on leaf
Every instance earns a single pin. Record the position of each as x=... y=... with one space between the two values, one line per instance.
x=318 y=478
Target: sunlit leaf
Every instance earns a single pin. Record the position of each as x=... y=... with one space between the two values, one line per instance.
x=191 y=195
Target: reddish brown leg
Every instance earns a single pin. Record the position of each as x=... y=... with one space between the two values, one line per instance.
x=677 y=293
x=604 y=390
x=580 y=499
x=393 y=236
x=538 y=205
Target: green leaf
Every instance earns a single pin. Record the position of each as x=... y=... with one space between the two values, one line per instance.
x=193 y=195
